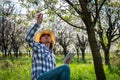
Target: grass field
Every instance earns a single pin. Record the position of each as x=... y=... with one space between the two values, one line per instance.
x=19 y=68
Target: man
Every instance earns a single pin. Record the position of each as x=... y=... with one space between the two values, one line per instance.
x=43 y=59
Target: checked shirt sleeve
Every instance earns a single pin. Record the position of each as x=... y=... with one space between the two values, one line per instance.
x=30 y=37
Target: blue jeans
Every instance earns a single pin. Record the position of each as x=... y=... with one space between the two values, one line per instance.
x=59 y=73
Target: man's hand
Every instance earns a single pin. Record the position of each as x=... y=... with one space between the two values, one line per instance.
x=39 y=18
x=67 y=61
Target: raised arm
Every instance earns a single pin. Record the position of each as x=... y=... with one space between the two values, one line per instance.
x=30 y=34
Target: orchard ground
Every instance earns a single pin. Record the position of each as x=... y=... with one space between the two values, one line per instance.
x=19 y=68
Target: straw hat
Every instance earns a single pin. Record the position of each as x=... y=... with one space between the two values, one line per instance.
x=40 y=33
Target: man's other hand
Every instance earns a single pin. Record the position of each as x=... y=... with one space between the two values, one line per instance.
x=67 y=61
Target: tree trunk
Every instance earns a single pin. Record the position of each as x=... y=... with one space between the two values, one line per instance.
x=77 y=53
x=5 y=52
x=83 y=54
x=97 y=60
x=16 y=53
x=30 y=54
x=95 y=53
x=20 y=53
x=9 y=53
x=107 y=59
x=106 y=50
x=65 y=51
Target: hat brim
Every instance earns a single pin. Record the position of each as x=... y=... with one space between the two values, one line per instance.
x=40 y=33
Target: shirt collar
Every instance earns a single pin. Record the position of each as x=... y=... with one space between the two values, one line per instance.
x=47 y=48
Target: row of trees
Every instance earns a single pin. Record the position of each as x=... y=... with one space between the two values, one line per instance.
x=11 y=30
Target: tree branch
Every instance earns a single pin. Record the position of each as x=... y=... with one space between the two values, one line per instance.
x=115 y=39
x=96 y=5
x=83 y=4
x=101 y=5
x=70 y=23
x=115 y=30
x=71 y=4
x=98 y=9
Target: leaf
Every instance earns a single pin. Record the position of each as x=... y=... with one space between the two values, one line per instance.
x=26 y=24
x=66 y=17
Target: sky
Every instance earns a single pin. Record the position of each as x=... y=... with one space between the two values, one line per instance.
x=17 y=6
x=23 y=10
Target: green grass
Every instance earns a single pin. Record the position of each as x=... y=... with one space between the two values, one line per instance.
x=19 y=69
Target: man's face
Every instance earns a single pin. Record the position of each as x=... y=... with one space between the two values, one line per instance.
x=45 y=38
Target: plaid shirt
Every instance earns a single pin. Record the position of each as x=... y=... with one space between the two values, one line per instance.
x=43 y=59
